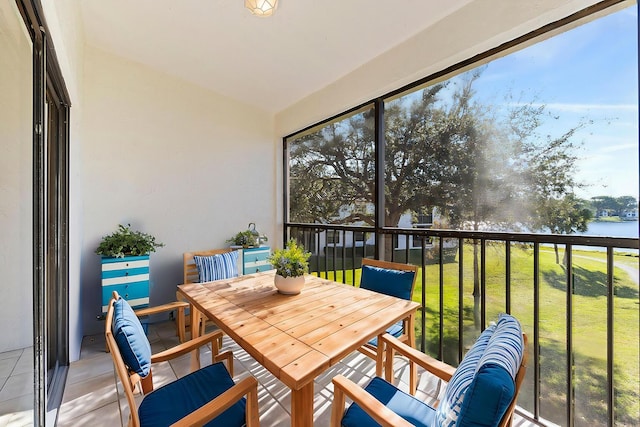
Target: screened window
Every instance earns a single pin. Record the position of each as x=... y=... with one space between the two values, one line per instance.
x=331 y=171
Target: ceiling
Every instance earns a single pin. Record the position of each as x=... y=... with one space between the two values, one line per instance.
x=270 y=63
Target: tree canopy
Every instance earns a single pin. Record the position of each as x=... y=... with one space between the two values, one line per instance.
x=479 y=164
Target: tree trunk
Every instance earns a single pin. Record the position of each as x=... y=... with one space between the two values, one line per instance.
x=555 y=248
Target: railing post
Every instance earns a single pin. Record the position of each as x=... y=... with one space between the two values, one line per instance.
x=569 y=331
x=610 y=337
x=536 y=330
x=460 y=298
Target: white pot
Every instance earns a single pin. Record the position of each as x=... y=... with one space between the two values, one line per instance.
x=289 y=285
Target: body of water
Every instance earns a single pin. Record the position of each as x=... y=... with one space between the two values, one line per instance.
x=612 y=229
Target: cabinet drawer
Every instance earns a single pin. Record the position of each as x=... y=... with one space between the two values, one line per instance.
x=255 y=260
x=110 y=264
x=136 y=294
x=255 y=255
x=257 y=268
x=109 y=274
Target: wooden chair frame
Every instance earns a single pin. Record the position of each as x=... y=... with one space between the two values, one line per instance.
x=408 y=336
x=190 y=275
x=344 y=387
x=130 y=380
x=178 y=306
x=189 y=269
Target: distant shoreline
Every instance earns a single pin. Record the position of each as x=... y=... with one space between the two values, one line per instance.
x=613 y=219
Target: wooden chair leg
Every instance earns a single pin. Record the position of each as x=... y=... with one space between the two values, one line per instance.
x=337 y=407
x=388 y=365
x=147 y=384
x=411 y=338
x=379 y=357
x=180 y=324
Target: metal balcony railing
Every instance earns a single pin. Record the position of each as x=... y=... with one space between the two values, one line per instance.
x=576 y=297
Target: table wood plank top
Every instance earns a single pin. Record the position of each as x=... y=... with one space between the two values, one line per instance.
x=296 y=337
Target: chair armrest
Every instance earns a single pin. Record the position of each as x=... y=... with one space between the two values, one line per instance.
x=204 y=414
x=161 y=308
x=186 y=347
x=376 y=410
x=436 y=367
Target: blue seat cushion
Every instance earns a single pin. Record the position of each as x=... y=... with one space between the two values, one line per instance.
x=217 y=267
x=396 y=283
x=131 y=339
x=173 y=401
x=408 y=407
x=395 y=330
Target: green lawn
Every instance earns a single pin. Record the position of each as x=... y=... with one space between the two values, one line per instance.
x=589 y=325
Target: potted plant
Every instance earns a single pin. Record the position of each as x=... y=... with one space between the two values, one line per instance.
x=125 y=265
x=126 y=242
x=249 y=238
x=291 y=264
x=244 y=239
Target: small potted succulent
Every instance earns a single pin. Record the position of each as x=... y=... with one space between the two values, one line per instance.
x=291 y=264
x=126 y=242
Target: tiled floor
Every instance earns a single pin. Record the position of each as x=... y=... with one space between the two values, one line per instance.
x=16 y=388
x=90 y=397
x=90 y=393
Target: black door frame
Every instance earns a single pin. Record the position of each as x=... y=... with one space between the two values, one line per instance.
x=47 y=78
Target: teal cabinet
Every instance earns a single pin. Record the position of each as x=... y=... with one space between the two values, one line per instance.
x=129 y=276
x=254 y=260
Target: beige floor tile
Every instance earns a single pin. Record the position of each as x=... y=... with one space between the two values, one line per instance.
x=11 y=354
x=17 y=411
x=95 y=365
x=7 y=365
x=25 y=362
x=17 y=418
x=16 y=386
x=92 y=345
x=84 y=397
x=104 y=416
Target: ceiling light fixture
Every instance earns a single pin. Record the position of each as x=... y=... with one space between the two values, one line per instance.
x=261 y=7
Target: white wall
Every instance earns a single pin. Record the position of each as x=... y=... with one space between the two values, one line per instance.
x=171 y=159
x=65 y=26
x=16 y=266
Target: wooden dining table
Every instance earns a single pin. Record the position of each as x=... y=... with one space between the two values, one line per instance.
x=296 y=337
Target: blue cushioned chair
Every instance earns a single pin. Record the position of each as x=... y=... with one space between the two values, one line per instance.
x=207 y=396
x=395 y=279
x=482 y=391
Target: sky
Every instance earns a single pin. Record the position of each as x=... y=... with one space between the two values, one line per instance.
x=589 y=73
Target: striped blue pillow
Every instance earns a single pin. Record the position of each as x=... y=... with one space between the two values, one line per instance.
x=449 y=407
x=499 y=347
x=506 y=346
x=216 y=267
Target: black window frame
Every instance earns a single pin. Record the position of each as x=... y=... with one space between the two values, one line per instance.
x=525 y=40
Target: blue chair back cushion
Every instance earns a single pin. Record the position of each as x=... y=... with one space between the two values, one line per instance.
x=217 y=267
x=411 y=409
x=396 y=283
x=131 y=339
x=171 y=402
x=483 y=385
